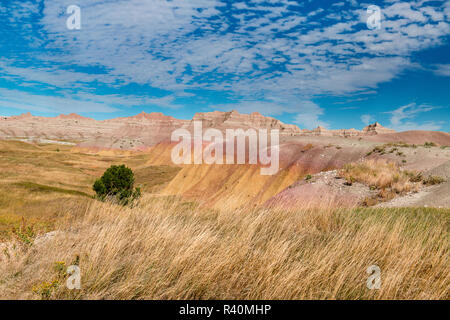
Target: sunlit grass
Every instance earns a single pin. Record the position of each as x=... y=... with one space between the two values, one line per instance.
x=169 y=248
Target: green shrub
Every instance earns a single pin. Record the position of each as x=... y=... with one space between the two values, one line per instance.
x=117 y=183
x=429 y=144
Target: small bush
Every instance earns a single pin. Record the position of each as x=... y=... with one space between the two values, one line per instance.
x=24 y=233
x=45 y=289
x=432 y=180
x=117 y=182
x=394 y=147
x=429 y=144
x=369 y=201
x=308 y=177
x=379 y=149
x=349 y=180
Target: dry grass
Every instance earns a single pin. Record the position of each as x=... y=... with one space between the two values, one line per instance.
x=308 y=147
x=165 y=248
x=168 y=249
x=391 y=148
x=432 y=180
x=380 y=174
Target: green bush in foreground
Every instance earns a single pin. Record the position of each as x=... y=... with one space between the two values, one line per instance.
x=117 y=183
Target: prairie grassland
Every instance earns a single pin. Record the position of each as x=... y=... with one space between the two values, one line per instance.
x=169 y=248
x=38 y=182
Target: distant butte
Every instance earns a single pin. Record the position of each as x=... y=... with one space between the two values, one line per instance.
x=73 y=116
x=150 y=116
x=376 y=128
x=226 y=118
x=148 y=129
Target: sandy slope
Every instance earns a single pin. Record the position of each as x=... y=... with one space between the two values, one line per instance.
x=413 y=137
x=433 y=196
x=326 y=187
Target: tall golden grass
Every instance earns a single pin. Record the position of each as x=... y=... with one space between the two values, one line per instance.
x=166 y=248
x=169 y=249
x=382 y=175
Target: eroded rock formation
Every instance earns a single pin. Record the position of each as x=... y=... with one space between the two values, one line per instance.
x=148 y=129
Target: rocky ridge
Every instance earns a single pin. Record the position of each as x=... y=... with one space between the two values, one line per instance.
x=148 y=129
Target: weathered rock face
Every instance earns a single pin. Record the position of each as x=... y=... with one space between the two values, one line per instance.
x=376 y=128
x=143 y=116
x=321 y=131
x=23 y=116
x=233 y=119
x=140 y=131
x=73 y=116
x=370 y=130
x=148 y=129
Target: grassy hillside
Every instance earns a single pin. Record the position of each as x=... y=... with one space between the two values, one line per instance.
x=38 y=182
x=168 y=248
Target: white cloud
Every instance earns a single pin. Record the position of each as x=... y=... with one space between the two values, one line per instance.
x=150 y=45
x=404 y=10
x=401 y=118
x=442 y=70
x=308 y=116
x=268 y=108
x=83 y=103
x=179 y=45
x=426 y=126
x=166 y=102
x=367 y=119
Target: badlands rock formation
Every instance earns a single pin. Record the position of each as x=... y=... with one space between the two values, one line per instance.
x=301 y=152
x=370 y=130
x=376 y=128
x=148 y=129
x=234 y=119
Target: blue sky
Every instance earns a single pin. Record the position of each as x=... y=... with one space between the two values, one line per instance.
x=304 y=62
